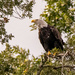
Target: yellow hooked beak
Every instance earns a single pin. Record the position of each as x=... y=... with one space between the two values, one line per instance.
x=32 y=20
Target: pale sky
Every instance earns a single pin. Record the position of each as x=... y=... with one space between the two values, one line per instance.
x=23 y=36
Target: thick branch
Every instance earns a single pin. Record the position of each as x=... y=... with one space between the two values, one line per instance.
x=54 y=67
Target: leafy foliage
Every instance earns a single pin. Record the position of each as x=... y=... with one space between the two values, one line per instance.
x=22 y=8
x=15 y=60
x=7 y=7
x=59 y=13
x=71 y=39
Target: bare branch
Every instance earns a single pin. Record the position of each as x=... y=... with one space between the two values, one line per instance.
x=17 y=12
x=62 y=62
x=17 y=17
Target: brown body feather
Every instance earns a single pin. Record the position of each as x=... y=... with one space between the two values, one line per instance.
x=50 y=38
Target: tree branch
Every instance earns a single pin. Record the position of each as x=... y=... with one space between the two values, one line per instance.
x=63 y=62
x=54 y=67
x=62 y=55
x=42 y=65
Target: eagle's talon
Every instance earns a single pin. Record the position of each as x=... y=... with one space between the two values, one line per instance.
x=49 y=53
x=55 y=54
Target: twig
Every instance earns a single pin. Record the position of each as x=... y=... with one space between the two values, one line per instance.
x=63 y=63
x=72 y=55
x=41 y=66
x=17 y=12
x=40 y=69
x=17 y=17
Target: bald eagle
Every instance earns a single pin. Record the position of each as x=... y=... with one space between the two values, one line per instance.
x=49 y=35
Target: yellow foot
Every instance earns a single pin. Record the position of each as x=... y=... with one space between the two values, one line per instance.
x=54 y=53
x=49 y=53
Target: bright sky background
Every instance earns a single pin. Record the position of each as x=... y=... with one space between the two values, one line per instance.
x=23 y=36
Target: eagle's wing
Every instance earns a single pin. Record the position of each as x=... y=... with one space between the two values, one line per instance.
x=41 y=39
x=57 y=35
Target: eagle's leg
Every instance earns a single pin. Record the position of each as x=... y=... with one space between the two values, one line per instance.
x=57 y=46
x=49 y=53
x=54 y=53
x=46 y=47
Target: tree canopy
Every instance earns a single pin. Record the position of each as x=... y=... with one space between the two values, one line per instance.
x=15 y=60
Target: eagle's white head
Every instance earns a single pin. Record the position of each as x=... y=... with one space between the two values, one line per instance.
x=40 y=23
